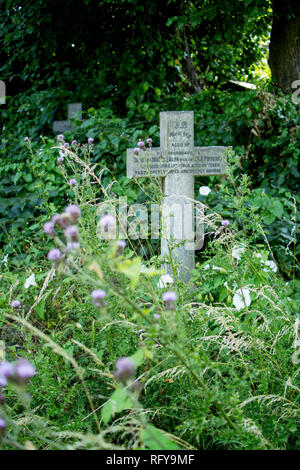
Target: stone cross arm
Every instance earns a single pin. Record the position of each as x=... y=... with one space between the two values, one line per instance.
x=158 y=162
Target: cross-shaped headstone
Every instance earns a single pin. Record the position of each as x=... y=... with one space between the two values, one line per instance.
x=74 y=110
x=177 y=161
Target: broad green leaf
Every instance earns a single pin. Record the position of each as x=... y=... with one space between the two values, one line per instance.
x=118 y=402
x=155 y=439
x=132 y=269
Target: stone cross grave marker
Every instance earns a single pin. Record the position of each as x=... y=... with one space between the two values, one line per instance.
x=59 y=127
x=177 y=161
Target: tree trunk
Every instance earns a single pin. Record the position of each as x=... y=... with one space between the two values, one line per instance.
x=284 y=50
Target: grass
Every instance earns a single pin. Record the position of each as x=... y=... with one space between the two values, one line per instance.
x=211 y=376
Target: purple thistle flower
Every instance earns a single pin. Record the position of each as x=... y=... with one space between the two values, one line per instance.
x=74 y=143
x=49 y=229
x=56 y=219
x=60 y=160
x=2 y=427
x=120 y=247
x=26 y=139
x=169 y=297
x=72 y=182
x=98 y=296
x=74 y=212
x=108 y=223
x=24 y=371
x=141 y=144
x=90 y=140
x=149 y=142
x=15 y=304
x=136 y=151
x=7 y=369
x=3 y=381
x=65 y=220
x=124 y=369
x=60 y=137
x=225 y=223
x=67 y=145
x=54 y=255
x=156 y=316
x=72 y=246
x=71 y=233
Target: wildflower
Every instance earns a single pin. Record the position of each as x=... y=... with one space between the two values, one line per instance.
x=2 y=427
x=120 y=247
x=67 y=145
x=30 y=282
x=98 y=296
x=3 y=381
x=271 y=265
x=108 y=223
x=149 y=142
x=26 y=139
x=24 y=371
x=60 y=160
x=15 y=304
x=90 y=140
x=54 y=255
x=56 y=219
x=124 y=369
x=49 y=228
x=73 y=211
x=141 y=144
x=156 y=316
x=65 y=220
x=225 y=223
x=169 y=297
x=241 y=298
x=204 y=190
x=60 y=137
x=71 y=233
x=237 y=252
x=73 y=246
x=74 y=143
x=7 y=369
x=136 y=150
x=72 y=182
x=164 y=280
x=5 y=259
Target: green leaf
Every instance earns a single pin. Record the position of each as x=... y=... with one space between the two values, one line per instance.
x=40 y=309
x=138 y=357
x=118 y=402
x=155 y=439
x=132 y=269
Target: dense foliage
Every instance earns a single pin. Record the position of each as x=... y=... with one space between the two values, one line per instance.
x=211 y=375
x=216 y=369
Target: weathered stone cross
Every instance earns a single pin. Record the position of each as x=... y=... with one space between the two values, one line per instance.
x=59 y=127
x=177 y=161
